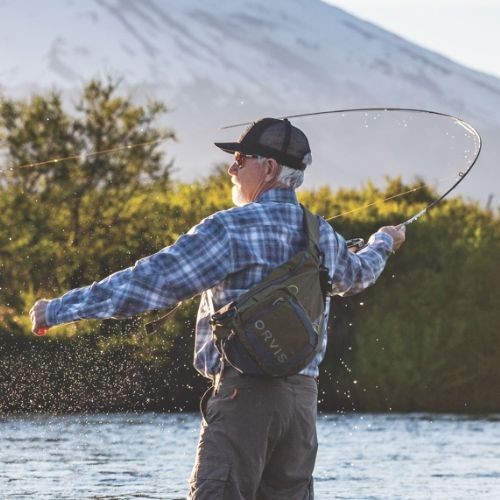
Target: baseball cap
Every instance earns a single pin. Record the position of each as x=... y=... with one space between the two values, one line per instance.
x=273 y=138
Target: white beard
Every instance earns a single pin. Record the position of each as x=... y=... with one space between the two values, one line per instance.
x=237 y=196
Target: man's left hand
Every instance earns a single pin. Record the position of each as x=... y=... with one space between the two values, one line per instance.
x=37 y=315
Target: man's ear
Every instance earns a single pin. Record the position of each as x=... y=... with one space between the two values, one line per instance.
x=272 y=169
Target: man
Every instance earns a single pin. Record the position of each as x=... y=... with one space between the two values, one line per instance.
x=258 y=434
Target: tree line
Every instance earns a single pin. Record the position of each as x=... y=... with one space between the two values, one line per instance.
x=425 y=338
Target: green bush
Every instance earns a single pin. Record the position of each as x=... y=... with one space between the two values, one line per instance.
x=425 y=338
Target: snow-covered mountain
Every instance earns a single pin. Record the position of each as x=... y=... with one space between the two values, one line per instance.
x=215 y=62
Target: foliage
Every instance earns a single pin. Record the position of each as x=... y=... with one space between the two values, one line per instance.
x=62 y=214
x=425 y=338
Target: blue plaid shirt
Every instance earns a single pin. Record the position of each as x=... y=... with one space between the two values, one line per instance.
x=227 y=252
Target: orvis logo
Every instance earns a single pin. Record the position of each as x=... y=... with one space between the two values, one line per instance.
x=270 y=340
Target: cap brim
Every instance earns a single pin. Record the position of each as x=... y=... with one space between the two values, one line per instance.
x=232 y=147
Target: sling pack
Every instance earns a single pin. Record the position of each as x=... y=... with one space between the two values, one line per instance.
x=276 y=327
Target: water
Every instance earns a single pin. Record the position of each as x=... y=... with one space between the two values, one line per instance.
x=150 y=456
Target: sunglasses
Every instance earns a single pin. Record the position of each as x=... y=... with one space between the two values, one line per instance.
x=240 y=157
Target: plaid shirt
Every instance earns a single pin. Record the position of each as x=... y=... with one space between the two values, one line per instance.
x=227 y=252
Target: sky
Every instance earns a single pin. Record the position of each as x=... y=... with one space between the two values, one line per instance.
x=466 y=31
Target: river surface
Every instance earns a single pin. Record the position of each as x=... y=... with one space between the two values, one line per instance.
x=361 y=456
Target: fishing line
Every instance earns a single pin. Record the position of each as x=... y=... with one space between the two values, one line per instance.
x=89 y=155
x=392 y=197
x=412 y=219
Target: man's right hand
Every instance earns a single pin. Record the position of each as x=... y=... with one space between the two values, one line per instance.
x=37 y=315
x=398 y=234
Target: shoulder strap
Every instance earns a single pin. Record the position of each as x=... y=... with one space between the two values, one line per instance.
x=153 y=326
x=311 y=227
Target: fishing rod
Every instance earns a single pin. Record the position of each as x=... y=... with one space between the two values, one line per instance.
x=356 y=244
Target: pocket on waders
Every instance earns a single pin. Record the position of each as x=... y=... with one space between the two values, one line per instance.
x=211 y=479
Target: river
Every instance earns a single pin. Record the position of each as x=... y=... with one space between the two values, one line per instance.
x=361 y=456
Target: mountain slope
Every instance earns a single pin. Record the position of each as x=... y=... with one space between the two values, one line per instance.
x=223 y=61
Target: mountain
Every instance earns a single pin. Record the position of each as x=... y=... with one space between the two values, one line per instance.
x=216 y=62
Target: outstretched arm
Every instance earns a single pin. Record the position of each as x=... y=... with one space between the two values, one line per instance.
x=196 y=261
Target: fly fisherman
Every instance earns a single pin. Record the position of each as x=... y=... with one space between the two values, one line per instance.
x=258 y=432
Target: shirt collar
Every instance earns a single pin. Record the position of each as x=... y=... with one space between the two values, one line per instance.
x=279 y=195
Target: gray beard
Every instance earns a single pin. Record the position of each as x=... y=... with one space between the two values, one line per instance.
x=238 y=199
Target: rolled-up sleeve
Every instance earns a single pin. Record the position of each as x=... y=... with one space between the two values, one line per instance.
x=196 y=261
